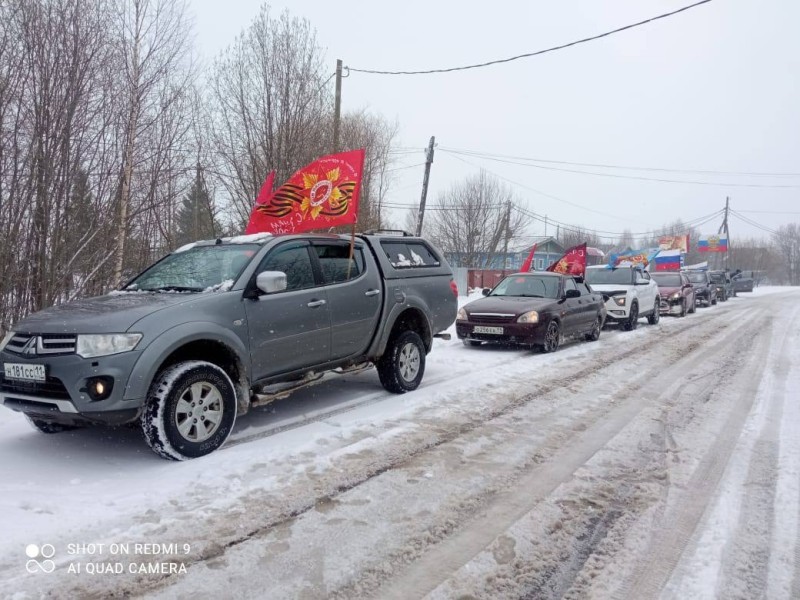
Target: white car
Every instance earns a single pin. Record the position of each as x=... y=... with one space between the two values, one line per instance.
x=629 y=294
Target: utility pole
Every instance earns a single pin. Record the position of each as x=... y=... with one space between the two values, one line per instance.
x=337 y=106
x=428 y=163
x=724 y=227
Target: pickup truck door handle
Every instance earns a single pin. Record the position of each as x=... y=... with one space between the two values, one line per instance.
x=372 y=292
x=315 y=303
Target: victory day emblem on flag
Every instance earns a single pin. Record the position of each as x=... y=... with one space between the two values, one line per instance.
x=322 y=194
x=572 y=263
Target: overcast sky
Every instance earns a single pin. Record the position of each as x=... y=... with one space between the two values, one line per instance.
x=716 y=88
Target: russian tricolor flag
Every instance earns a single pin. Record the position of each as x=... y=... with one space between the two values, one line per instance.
x=713 y=243
x=668 y=260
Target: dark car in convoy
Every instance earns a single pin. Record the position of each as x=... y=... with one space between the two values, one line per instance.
x=742 y=283
x=723 y=284
x=704 y=290
x=677 y=293
x=533 y=310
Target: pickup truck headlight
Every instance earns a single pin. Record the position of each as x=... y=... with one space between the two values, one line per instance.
x=620 y=300
x=90 y=346
x=530 y=317
x=461 y=315
x=6 y=338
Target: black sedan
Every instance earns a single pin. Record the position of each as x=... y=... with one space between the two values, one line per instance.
x=534 y=310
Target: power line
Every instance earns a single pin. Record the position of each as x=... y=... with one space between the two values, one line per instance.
x=530 y=54
x=609 y=166
x=755 y=224
x=618 y=176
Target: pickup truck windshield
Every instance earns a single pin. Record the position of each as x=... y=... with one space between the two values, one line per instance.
x=529 y=286
x=605 y=276
x=198 y=269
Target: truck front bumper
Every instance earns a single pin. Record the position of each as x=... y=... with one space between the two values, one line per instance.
x=63 y=396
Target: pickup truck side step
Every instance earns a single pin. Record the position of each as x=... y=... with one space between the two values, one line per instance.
x=279 y=391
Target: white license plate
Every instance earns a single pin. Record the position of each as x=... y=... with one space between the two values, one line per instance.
x=24 y=372
x=490 y=330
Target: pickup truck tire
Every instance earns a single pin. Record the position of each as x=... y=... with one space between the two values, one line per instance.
x=654 y=317
x=48 y=426
x=633 y=318
x=402 y=365
x=190 y=410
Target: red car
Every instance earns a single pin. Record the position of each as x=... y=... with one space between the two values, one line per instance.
x=677 y=293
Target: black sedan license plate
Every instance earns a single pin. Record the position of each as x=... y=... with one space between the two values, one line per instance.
x=24 y=372
x=489 y=330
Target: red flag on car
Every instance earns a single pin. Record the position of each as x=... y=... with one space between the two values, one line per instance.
x=572 y=263
x=526 y=266
x=320 y=195
x=262 y=200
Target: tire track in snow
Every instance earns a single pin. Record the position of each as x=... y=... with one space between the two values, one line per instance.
x=538 y=483
x=681 y=521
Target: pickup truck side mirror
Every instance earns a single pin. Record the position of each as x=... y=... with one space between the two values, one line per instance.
x=270 y=282
x=572 y=294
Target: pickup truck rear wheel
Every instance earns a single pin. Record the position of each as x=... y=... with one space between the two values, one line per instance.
x=402 y=365
x=190 y=410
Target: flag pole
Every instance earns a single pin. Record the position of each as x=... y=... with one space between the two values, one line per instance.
x=352 y=245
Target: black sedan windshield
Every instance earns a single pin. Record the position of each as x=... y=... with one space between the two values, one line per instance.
x=530 y=286
x=197 y=269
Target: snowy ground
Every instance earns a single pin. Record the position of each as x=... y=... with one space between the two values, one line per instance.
x=660 y=463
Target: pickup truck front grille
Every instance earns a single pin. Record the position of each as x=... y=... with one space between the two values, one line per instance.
x=51 y=388
x=47 y=344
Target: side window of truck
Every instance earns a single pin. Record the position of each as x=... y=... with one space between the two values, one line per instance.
x=295 y=262
x=336 y=264
x=409 y=254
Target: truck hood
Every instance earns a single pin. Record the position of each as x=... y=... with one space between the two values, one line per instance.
x=114 y=313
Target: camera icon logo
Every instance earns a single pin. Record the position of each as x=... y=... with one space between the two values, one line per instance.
x=44 y=552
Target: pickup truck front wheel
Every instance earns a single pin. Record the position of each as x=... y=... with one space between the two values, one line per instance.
x=190 y=411
x=402 y=365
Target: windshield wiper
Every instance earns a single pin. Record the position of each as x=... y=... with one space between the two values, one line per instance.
x=173 y=288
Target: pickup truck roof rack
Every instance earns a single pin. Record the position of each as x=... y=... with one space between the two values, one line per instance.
x=397 y=232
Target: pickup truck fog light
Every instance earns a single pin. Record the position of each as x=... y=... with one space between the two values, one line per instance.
x=90 y=346
x=99 y=388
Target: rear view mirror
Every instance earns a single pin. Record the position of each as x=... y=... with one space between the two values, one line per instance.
x=641 y=282
x=572 y=294
x=270 y=282
x=485 y=291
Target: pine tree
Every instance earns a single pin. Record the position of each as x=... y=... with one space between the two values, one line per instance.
x=195 y=218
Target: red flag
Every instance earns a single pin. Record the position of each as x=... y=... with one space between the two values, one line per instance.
x=320 y=195
x=263 y=199
x=572 y=263
x=526 y=266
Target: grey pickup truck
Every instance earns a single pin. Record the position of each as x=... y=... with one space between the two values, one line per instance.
x=220 y=326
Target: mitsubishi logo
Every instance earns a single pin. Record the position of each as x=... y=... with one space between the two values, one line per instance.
x=29 y=349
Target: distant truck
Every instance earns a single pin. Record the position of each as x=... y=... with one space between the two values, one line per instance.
x=219 y=326
x=629 y=293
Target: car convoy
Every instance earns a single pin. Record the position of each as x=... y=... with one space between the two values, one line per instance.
x=219 y=326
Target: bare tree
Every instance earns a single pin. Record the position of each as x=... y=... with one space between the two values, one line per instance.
x=787 y=244
x=475 y=219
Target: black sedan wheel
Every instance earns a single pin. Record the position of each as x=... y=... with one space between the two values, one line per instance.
x=552 y=338
x=594 y=334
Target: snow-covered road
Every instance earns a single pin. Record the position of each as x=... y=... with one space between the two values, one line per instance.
x=663 y=462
